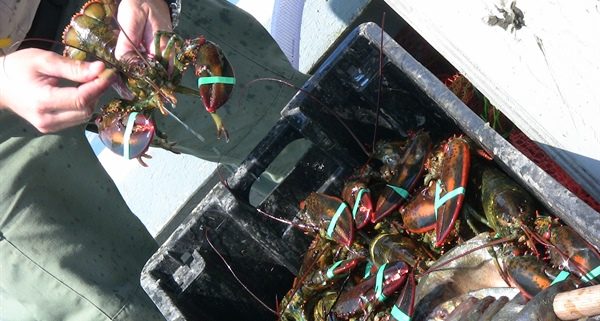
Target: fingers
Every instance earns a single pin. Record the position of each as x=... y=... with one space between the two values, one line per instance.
x=139 y=21
x=58 y=120
x=78 y=98
x=68 y=106
x=132 y=20
x=158 y=19
x=62 y=67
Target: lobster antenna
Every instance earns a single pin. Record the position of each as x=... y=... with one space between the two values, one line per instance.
x=379 y=84
x=314 y=99
x=235 y=275
x=133 y=45
x=437 y=266
x=279 y=219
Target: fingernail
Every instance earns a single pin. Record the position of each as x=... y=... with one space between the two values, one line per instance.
x=95 y=66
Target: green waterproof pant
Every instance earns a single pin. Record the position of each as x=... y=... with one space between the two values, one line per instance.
x=70 y=248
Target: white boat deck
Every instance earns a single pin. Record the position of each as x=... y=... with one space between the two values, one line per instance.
x=542 y=72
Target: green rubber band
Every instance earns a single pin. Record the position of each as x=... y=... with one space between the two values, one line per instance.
x=399 y=314
x=379 y=284
x=563 y=275
x=357 y=201
x=215 y=80
x=591 y=275
x=399 y=190
x=335 y=219
x=127 y=134
x=438 y=202
x=330 y=271
x=368 y=270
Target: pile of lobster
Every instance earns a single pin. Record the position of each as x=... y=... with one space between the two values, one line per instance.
x=367 y=256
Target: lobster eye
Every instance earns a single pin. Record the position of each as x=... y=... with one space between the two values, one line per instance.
x=128 y=134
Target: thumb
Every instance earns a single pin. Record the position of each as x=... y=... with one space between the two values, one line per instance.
x=67 y=68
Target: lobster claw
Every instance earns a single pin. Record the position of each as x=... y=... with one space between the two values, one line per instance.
x=404 y=307
x=125 y=132
x=528 y=274
x=574 y=253
x=418 y=216
x=372 y=291
x=215 y=81
x=412 y=164
x=321 y=279
x=358 y=195
x=331 y=215
x=450 y=186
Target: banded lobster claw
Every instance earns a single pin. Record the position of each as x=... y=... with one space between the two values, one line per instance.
x=357 y=194
x=215 y=81
x=129 y=133
x=125 y=132
x=450 y=185
x=411 y=166
x=573 y=253
x=330 y=215
x=373 y=291
x=437 y=205
x=322 y=278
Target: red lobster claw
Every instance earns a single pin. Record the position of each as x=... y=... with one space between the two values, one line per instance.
x=126 y=133
x=450 y=186
x=215 y=81
x=403 y=309
x=331 y=215
x=358 y=195
x=574 y=253
x=408 y=173
x=372 y=291
x=418 y=215
x=528 y=274
x=321 y=279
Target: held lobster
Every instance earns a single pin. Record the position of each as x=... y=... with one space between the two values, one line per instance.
x=146 y=82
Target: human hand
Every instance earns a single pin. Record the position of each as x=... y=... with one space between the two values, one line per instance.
x=29 y=87
x=140 y=19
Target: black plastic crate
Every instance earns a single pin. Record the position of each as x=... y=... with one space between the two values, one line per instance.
x=186 y=278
